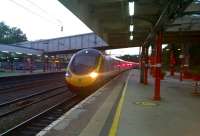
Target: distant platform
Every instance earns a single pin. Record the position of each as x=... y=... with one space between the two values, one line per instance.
x=20 y=72
x=124 y=107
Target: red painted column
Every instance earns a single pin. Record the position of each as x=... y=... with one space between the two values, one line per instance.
x=159 y=37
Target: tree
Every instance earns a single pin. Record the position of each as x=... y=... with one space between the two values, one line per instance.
x=9 y=35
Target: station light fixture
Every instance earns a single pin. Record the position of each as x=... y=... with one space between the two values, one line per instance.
x=18 y=53
x=38 y=55
x=131 y=5
x=5 y=51
x=29 y=54
x=131 y=37
x=131 y=28
x=178 y=49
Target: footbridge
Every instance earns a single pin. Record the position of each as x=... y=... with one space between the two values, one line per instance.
x=68 y=44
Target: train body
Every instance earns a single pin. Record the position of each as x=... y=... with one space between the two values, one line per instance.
x=89 y=68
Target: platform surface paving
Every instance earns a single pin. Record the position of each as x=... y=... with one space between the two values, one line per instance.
x=177 y=114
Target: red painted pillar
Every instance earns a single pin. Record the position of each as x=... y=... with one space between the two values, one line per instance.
x=159 y=37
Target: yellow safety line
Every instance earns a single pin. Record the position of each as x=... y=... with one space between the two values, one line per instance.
x=115 y=123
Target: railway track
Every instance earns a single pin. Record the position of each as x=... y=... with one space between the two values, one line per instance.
x=18 y=93
x=8 y=83
x=10 y=90
x=10 y=87
x=15 y=105
x=24 y=99
x=33 y=125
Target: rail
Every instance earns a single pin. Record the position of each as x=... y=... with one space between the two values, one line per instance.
x=25 y=127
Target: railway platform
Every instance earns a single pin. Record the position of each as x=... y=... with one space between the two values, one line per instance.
x=20 y=73
x=124 y=107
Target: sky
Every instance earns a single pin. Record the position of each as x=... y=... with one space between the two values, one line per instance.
x=43 y=19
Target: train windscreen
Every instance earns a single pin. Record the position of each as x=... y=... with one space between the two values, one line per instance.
x=84 y=63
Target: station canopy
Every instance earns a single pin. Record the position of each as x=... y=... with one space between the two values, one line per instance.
x=127 y=23
x=19 y=50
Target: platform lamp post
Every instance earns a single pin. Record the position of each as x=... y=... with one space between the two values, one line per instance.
x=158 y=40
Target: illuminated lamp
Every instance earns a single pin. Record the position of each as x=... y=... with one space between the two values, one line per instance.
x=18 y=53
x=93 y=74
x=131 y=37
x=131 y=27
x=131 y=6
x=5 y=51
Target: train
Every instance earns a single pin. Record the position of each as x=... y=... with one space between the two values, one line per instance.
x=88 y=69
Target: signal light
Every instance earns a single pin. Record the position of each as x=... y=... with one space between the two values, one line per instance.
x=93 y=74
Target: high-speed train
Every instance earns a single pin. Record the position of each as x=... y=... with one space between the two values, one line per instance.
x=89 y=68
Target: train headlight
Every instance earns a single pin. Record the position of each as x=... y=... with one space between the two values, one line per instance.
x=93 y=74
